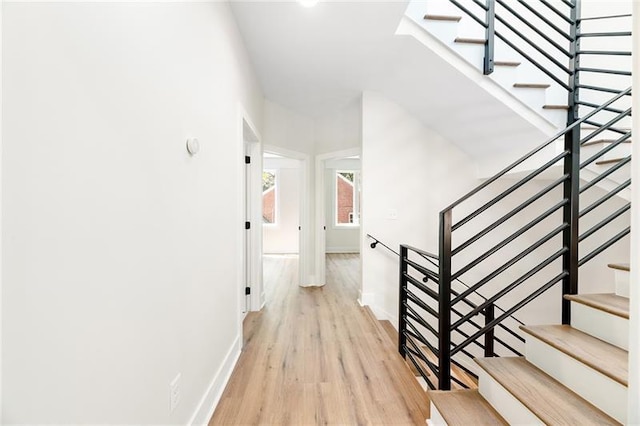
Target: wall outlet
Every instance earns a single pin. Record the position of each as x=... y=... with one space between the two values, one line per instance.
x=174 y=393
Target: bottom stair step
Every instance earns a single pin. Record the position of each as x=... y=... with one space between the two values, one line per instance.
x=542 y=395
x=463 y=407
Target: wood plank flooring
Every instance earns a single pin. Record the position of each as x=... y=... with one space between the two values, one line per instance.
x=314 y=356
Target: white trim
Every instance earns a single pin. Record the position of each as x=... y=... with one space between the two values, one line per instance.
x=209 y=401
x=248 y=133
x=320 y=208
x=342 y=250
x=306 y=276
x=634 y=297
x=1 y=2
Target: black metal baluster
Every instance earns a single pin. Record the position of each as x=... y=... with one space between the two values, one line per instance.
x=402 y=299
x=444 y=303
x=490 y=37
x=571 y=211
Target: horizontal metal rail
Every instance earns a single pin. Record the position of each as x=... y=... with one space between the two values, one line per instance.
x=609 y=171
x=512 y=261
x=507 y=289
x=538 y=65
x=593 y=18
x=620 y=235
x=605 y=198
x=599 y=89
x=509 y=215
x=415 y=299
x=605 y=150
x=607 y=127
x=604 y=52
x=530 y=25
x=558 y=12
x=606 y=34
x=604 y=71
x=511 y=238
x=510 y=311
x=602 y=127
x=546 y=20
x=510 y=190
x=604 y=222
x=592 y=105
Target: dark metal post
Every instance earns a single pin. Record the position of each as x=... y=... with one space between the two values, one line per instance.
x=490 y=37
x=402 y=299
x=444 y=303
x=572 y=168
x=489 y=315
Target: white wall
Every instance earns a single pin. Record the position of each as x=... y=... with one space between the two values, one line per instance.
x=283 y=236
x=123 y=251
x=634 y=329
x=339 y=130
x=405 y=186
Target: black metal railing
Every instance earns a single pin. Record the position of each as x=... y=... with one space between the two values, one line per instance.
x=540 y=33
x=554 y=229
x=454 y=319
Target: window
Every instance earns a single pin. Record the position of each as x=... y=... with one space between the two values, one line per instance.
x=347 y=197
x=269 y=196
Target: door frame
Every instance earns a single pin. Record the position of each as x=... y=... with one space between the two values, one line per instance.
x=249 y=143
x=305 y=275
x=320 y=225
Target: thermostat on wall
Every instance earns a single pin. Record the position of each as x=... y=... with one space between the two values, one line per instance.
x=193 y=146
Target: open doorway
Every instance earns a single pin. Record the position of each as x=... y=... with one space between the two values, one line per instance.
x=338 y=186
x=283 y=216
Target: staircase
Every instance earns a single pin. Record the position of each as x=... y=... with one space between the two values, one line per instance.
x=458 y=318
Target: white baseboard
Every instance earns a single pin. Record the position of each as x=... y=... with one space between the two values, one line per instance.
x=338 y=250
x=367 y=299
x=211 y=397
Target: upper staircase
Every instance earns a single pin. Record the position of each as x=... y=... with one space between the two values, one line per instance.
x=472 y=310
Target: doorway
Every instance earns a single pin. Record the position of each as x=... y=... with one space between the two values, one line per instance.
x=338 y=214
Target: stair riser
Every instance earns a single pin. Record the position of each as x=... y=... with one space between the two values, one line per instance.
x=436 y=418
x=603 y=392
x=623 y=279
x=610 y=328
x=510 y=408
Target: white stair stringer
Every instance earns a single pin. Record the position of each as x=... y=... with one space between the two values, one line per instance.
x=623 y=281
x=600 y=390
x=448 y=31
x=409 y=27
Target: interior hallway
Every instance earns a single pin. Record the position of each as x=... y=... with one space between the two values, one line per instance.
x=314 y=356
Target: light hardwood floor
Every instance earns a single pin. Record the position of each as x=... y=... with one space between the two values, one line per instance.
x=314 y=356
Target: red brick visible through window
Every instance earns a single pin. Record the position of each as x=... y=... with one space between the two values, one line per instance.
x=345 y=199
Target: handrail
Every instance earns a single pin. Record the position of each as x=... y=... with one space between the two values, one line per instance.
x=539 y=38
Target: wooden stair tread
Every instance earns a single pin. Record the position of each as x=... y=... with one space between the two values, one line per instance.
x=607 y=302
x=469 y=40
x=506 y=63
x=611 y=161
x=465 y=407
x=620 y=266
x=450 y=18
x=601 y=141
x=544 y=396
x=595 y=353
x=564 y=107
x=532 y=85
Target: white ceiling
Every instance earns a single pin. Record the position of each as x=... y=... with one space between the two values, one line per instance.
x=318 y=60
